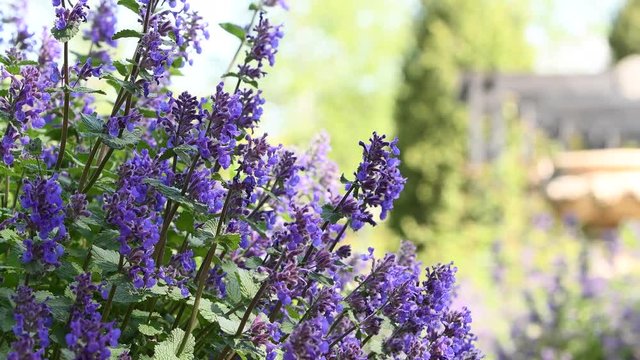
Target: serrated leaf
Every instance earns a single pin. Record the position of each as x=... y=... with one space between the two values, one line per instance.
x=67 y=33
x=167 y=349
x=123 y=69
x=106 y=260
x=86 y=90
x=127 y=294
x=149 y=330
x=173 y=293
x=9 y=235
x=330 y=214
x=126 y=33
x=185 y=222
x=175 y=195
x=118 y=143
x=131 y=5
x=229 y=242
x=216 y=314
x=92 y=122
x=34 y=147
x=234 y=30
x=321 y=278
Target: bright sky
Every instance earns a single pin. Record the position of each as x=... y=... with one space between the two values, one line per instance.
x=574 y=40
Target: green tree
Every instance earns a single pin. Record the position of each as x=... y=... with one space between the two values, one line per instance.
x=624 y=37
x=451 y=37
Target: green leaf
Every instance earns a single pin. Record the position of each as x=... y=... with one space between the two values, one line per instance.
x=216 y=314
x=6 y=319
x=67 y=33
x=234 y=30
x=149 y=330
x=127 y=294
x=185 y=221
x=106 y=260
x=131 y=5
x=93 y=123
x=34 y=147
x=9 y=235
x=117 y=84
x=167 y=349
x=118 y=143
x=321 y=278
x=173 y=293
x=229 y=242
x=60 y=305
x=175 y=195
x=86 y=90
x=123 y=69
x=331 y=215
x=126 y=33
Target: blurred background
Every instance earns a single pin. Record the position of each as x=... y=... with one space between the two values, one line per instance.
x=519 y=126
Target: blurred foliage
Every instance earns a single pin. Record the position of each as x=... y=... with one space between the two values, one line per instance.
x=452 y=36
x=624 y=37
x=345 y=77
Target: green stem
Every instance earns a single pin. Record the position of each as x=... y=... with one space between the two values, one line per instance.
x=202 y=279
x=65 y=113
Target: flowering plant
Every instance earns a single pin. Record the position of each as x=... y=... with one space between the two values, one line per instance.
x=169 y=228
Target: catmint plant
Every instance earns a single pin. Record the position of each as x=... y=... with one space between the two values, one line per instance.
x=141 y=221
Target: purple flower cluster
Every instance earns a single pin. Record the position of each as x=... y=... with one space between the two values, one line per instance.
x=260 y=225
x=264 y=46
x=33 y=322
x=22 y=106
x=181 y=269
x=44 y=215
x=67 y=18
x=135 y=210
x=89 y=337
x=181 y=118
x=103 y=24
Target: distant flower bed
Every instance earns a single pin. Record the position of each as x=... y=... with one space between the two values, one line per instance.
x=168 y=227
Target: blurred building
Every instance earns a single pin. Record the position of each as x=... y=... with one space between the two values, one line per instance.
x=596 y=119
x=580 y=111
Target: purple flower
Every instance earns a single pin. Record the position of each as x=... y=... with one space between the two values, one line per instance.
x=69 y=18
x=135 y=209
x=181 y=268
x=215 y=282
x=77 y=206
x=181 y=119
x=103 y=24
x=307 y=341
x=264 y=46
x=217 y=141
x=86 y=70
x=89 y=337
x=23 y=104
x=117 y=124
x=33 y=321
x=378 y=175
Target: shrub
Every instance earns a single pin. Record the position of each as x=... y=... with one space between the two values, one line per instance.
x=169 y=228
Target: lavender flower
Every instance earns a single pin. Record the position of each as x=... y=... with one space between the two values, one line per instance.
x=33 y=321
x=181 y=118
x=264 y=46
x=89 y=337
x=180 y=270
x=378 y=174
x=307 y=341
x=70 y=18
x=103 y=24
x=44 y=214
